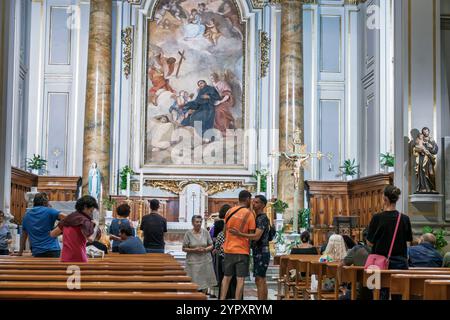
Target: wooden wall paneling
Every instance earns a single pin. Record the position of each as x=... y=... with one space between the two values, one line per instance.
x=21 y=183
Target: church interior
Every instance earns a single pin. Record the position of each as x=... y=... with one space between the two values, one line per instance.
x=318 y=106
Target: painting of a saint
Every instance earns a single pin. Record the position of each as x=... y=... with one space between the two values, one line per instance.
x=194 y=76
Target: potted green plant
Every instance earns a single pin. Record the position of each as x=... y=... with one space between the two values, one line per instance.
x=108 y=204
x=387 y=160
x=280 y=206
x=440 y=234
x=280 y=241
x=303 y=218
x=349 y=169
x=36 y=164
x=124 y=178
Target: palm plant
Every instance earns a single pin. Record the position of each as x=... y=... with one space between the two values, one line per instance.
x=387 y=160
x=124 y=176
x=36 y=162
x=349 y=167
x=280 y=206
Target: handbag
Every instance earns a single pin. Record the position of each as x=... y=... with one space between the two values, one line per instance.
x=376 y=261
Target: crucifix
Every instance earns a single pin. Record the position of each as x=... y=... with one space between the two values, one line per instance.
x=297 y=161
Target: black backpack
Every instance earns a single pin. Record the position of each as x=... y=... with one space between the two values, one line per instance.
x=272 y=233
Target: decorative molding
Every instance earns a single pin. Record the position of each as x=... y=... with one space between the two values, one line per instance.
x=177 y=186
x=134 y=1
x=264 y=47
x=127 y=42
x=259 y=4
x=281 y=1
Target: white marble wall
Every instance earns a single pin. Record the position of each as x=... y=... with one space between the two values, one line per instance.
x=332 y=41
x=418 y=97
x=57 y=83
x=6 y=97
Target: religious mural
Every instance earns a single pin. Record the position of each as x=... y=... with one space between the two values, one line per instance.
x=195 y=112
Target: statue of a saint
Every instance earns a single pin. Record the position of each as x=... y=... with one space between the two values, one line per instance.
x=425 y=150
x=94 y=186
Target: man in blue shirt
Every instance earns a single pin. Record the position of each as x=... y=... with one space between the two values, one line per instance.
x=37 y=224
x=424 y=254
x=130 y=244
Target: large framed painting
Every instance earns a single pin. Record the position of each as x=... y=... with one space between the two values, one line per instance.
x=194 y=85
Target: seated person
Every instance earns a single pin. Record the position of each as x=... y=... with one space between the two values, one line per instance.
x=305 y=247
x=123 y=212
x=324 y=246
x=130 y=244
x=357 y=256
x=349 y=243
x=96 y=243
x=425 y=254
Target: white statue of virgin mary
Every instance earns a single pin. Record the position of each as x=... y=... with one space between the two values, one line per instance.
x=94 y=186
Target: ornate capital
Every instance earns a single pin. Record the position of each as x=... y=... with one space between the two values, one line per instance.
x=127 y=42
x=259 y=3
x=177 y=186
x=301 y=1
x=264 y=47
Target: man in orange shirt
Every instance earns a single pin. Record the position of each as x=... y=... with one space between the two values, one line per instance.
x=236 y=248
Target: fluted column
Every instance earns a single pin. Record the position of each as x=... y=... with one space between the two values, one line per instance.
x=98 y=93
x=291 y=96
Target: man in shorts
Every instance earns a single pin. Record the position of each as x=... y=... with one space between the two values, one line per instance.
x=260 y=245
x=236 y=248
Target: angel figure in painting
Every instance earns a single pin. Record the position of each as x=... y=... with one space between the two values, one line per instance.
x=224 y=119
x=425 y=151
x=194 y=28
x=212 y=33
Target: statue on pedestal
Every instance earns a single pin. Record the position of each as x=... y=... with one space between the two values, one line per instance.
x=94 y=186
x=425 y=150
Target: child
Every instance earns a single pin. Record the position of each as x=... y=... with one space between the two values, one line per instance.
x=176 y=109
x=5 y=236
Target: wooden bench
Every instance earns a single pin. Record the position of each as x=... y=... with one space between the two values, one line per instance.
x=95 y=272
x=144 y=277
x=99 y=267
x=408 y=285
x=437 y=290
x=99 y=295
x=97 y=277
x=100 y=286
x=385 y=277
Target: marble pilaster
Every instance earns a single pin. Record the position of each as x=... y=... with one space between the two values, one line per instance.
x=291 y=95
x=6 y=57
x=98 y=93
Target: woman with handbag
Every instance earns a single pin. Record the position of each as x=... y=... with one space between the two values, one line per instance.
x=389 y=234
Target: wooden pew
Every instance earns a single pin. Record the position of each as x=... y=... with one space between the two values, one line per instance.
x=437 y=290
x=408 y=285
x=143 y=277
x=385 y=277
x=99 y=295
x=94 y=272
x=98 y=285
x=102 y=277
x=128 y=267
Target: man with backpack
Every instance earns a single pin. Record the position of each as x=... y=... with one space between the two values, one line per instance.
x=235 y=247
x=260 y=245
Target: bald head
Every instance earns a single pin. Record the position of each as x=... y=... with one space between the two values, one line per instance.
x=429 y=238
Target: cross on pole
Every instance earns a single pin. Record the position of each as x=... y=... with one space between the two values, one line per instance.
x=297 y=161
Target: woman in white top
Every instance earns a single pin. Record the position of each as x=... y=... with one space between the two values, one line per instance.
x=198 y=245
